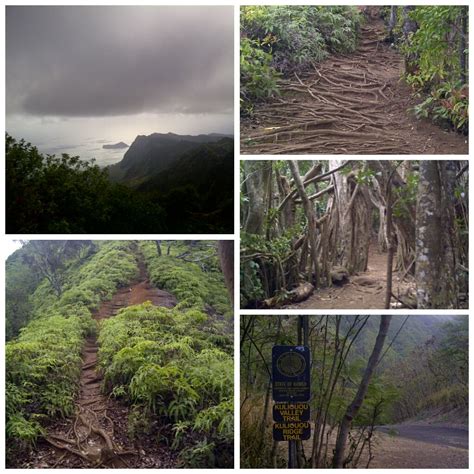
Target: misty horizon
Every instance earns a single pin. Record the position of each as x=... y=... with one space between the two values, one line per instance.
x=91 y=148
x=78 y=77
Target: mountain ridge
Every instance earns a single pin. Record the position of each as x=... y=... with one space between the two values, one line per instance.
x=151 y=154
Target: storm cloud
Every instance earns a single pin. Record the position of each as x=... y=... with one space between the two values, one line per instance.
x=119 y=61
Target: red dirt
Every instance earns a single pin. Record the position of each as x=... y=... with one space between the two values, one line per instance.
x=97 y=436
x=348 y=104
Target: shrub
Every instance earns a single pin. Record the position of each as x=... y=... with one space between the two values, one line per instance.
x=435 y=51
x=42 y=368
x=281 y=39
x=446 y=104
x=258 y=76
x=43 y=363
x=165 y=361
x=193 y=286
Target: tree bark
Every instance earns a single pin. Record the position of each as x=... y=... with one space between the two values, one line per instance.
x=257 y=174
x=158 y=247
x=436 y=260
x=352 y=235
x=392 y=22
x=409 y=27
x=428 y=228
x=354 y=407
x=404 y=222
x=311 y=218
x=226 y=256
x=390 y=245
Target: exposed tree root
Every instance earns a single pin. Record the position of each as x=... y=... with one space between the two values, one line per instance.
x=348 y=104
x=90 y=439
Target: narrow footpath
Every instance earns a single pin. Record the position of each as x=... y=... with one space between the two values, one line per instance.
x=97 y=436
x=365 y=290
x=348 y=104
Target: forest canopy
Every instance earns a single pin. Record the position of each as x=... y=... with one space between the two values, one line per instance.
x=329 y=231
x=51 y=195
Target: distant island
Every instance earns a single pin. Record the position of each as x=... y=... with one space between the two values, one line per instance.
x=115 y=146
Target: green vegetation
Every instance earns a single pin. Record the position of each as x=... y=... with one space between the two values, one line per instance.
x=173 y=368
x=43 y=363
x=413 y=59
x=197 y=284
x=67 y=195
x=437 y=54
x=165 y=363
x=348 y=205
x=50 y=195
x=433 y=377
x=197 y=190
x=20 y=283
x=278 y=40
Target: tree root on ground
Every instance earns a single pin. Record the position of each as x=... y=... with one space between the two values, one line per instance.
x=345 y=92
x=94 y=455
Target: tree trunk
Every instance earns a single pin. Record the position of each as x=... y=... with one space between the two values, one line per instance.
x=257 y=174
x=226 y=256
x=354 y=222
x=409 y=27
x=435 y=271
x=311 y=218
x=392 y=22
x=158 y=247
x=463 y=45
x=403 y=222
x=390 y=245
x=354 y=407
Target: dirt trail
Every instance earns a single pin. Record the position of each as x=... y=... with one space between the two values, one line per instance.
x=429 y=451
x=420 y=445
x=348 y=104
x=365 y=290
x=97 y=436
x=457 y=437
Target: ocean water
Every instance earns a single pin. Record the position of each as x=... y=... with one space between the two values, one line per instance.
x=84 y=136
x=91 y=149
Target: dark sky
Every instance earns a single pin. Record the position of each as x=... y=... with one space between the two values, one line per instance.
x=170 y=65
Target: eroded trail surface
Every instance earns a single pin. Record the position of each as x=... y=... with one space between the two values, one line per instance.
x=97 y=435
x=365 y=290
x=421 y=446
x=443 y=435
x=348 y=104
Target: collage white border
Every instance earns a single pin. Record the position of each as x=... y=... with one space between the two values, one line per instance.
x=236 y=4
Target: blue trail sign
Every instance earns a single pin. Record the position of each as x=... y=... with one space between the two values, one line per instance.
x=291 y=431
x=291 y=412
x=291 y=374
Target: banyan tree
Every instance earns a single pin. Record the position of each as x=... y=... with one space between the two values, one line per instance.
x=309 y=225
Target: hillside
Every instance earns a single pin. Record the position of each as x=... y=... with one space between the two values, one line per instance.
x=406 y=333
x=186 y=189
x=152 y=154
x=123 y=358
x=375 y=382
x=197 y=186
